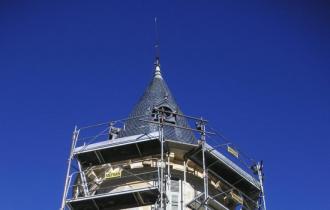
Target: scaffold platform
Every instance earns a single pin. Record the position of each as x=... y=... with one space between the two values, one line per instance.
x=118 y=149
x=117 y=200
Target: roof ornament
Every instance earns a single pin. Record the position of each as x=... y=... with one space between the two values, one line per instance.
x=157 y=61
x=166 y=97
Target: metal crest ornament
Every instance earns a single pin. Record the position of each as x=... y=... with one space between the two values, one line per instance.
x=113 y=173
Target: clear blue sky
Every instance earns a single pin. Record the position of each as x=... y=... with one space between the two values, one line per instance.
x=258 y=71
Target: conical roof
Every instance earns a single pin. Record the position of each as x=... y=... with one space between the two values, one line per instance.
x=157 y=95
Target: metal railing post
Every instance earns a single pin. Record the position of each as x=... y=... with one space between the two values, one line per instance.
x=261 y=177
x=67 y=178
x=205 y=176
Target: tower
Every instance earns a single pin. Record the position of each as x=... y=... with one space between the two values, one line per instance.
x=157 y=158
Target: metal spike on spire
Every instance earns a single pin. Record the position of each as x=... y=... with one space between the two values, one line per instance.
x=157 y=59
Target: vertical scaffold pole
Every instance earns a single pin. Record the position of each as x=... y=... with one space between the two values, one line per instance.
x=162 y=165
x=205 y=176
x=83 y=179
x=67 y=178
x=261 y=179
x=184 y=182
x=168 y=175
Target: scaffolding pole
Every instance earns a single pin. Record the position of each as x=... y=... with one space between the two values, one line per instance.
x=162 y=164
x=83 y=179
x=205 y=176
x=261 y=180
x=67 y=178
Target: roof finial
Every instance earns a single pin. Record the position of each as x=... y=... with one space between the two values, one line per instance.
x=157 y=61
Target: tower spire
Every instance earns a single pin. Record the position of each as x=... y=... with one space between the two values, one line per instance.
x=157 y=56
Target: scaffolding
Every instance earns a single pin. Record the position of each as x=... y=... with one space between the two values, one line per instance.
x=106 y=171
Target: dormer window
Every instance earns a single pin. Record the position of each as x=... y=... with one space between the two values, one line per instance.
x=169 y=115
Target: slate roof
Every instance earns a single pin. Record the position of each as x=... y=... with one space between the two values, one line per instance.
x=158 y=95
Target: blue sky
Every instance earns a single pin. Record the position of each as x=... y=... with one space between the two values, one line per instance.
x=258 y=71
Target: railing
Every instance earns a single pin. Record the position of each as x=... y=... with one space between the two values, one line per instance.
x=222 y=145
x=133 y=126
x=144 y=124
x=110 y=179
x=107 y=130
